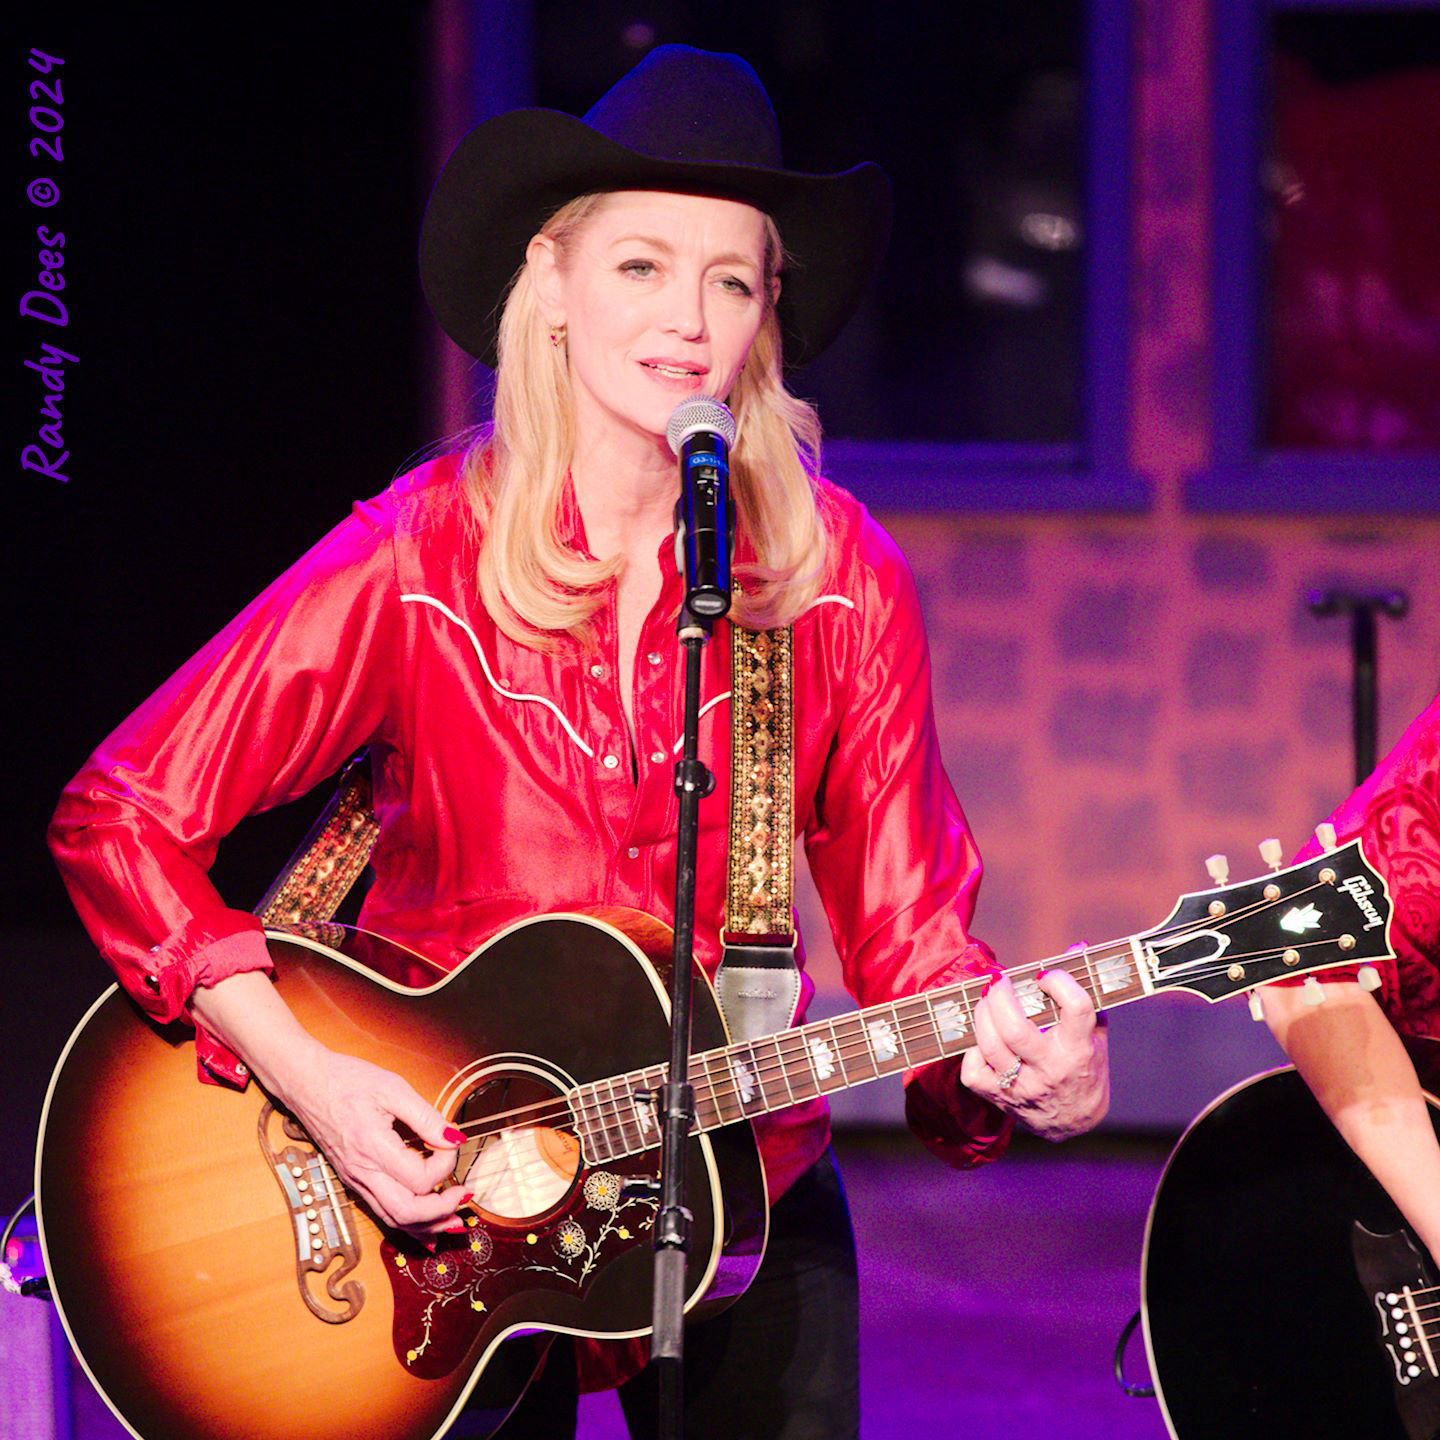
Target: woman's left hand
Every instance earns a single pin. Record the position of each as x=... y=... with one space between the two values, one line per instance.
x=1056 y=1082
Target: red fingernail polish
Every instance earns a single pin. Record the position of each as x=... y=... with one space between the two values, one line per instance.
x=430 y=1245
x=458 y=1228
x=467 y=1197
x=454 y=1136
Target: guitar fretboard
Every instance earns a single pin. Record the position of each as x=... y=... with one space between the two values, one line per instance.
x=615 y=1117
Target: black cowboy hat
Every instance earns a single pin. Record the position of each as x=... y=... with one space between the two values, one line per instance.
x=683 y=119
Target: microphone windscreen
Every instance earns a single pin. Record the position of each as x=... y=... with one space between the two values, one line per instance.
x=699 y=412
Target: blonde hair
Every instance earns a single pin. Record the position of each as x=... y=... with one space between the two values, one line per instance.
x=513 y=476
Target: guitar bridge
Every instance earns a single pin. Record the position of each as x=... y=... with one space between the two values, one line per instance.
x=1395 y=1276
x=324 y=1233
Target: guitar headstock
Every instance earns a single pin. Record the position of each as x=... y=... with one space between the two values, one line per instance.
x=1330 y=911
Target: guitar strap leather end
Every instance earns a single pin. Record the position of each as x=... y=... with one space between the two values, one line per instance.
x=759 y=989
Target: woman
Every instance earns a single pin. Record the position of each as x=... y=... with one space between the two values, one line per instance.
x=499 y=629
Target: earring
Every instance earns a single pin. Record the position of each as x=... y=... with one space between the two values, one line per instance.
x=557 y=335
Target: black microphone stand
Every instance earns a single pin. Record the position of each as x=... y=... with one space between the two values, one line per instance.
x=703 y=528
x=693 y=781
x=1362 y=608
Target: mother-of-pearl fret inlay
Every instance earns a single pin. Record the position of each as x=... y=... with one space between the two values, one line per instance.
x=744 y=1079
x=1113 y=973
x=644 y=1114
x=882 y=1039
x=950 y=1020
x=1031 y=997
x=822 y=1057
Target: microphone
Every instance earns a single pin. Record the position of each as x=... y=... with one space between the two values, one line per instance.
x=701 y=431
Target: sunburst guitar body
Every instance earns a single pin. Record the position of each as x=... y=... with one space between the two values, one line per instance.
x=219 y=1284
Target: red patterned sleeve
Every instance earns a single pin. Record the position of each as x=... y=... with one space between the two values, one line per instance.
x=890 y=851
x=1396 y=814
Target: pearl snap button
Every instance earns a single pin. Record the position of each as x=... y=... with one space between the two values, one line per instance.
x=633 y=852
x=657 y=757
x=598 y=671
x=609 y=762
x=653 y=657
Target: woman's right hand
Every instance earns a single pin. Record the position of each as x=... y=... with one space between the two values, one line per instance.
x=349 y=1108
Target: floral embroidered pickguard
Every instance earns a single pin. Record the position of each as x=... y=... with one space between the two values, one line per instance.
x=441 y=1300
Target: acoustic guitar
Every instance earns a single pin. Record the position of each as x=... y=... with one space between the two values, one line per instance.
x=219 y=1282
x=1282 y=1293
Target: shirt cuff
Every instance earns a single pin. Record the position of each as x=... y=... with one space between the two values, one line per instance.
x=215 y=1062
x=952 y=1123
x=205 y=954
x=183 y=960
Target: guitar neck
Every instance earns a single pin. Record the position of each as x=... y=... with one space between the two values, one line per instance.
x=1331 y=910
x=752 y=1077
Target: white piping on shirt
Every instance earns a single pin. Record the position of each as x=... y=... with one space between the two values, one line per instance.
x=495 y=685
x=836 y=599
x=710 y=704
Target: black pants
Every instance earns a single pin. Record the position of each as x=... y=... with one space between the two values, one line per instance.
x=782 y=1363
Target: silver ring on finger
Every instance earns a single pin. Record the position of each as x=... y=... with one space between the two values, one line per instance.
x=1011 y=1075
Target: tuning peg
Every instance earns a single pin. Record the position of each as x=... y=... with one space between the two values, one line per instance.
x=1313 y=991
x=1368 y=977
x=1257 y=1010
x=1219 y=868
x=1272 y=852
x=1325 y=834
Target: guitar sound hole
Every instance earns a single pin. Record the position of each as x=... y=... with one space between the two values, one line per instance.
x=528 y=1157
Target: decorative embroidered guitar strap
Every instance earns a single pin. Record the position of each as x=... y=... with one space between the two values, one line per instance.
x=318 y=876
x=759 y=981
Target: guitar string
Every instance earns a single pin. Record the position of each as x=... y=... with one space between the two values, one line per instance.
x=1107 y=950
x=1414 y=1292
x=596 y=1110
x=1425 y=1330
x=853 y=1047
x=1428 y=1327
x=608 y=1114
x=1084 y=958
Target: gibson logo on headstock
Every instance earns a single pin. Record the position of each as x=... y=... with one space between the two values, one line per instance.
x=1359 y=889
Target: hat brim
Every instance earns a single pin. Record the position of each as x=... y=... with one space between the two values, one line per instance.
x=512 y=172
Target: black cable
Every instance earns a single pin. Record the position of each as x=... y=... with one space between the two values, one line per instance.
x=1139 y=1391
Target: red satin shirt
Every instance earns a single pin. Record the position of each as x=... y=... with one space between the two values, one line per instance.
x=505 y=784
